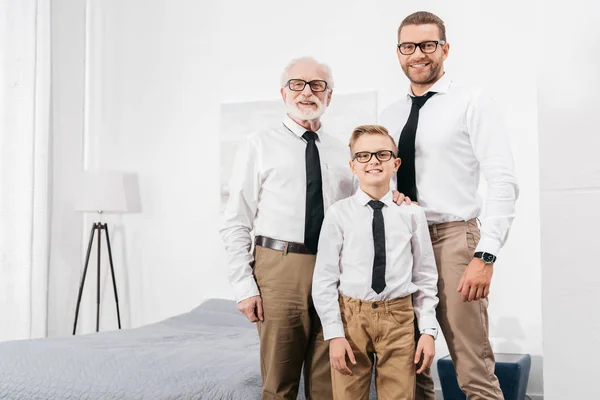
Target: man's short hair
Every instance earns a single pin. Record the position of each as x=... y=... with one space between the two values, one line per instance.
x=371 y=130
x=424 y=18
x=285 y=77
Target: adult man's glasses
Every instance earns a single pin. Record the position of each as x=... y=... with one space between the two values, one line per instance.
x=381 y=155
x=428 y=47
x=297 y=85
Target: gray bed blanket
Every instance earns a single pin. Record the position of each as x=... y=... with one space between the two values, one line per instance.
x=209 y=353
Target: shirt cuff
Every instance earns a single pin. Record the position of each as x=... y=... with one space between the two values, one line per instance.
x=427 y=322
x=432 y=332
x=488 y=245
x=245 y=289
x=332 y=331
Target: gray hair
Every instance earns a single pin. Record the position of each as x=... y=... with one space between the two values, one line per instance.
x=325 y=67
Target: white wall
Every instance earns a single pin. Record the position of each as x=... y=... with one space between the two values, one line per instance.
x=569 y=83
x=157 y=73
x=152 y=111
x=68 y=49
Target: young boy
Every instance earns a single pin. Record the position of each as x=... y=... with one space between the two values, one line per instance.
x=375 y=261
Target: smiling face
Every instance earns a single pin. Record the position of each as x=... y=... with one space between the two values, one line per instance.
x=374 y=173
x=306 y=104
x=423 y=70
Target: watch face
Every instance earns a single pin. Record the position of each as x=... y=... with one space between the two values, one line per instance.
x=488 y=258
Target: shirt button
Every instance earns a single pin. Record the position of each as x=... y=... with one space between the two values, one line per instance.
x=374 y=305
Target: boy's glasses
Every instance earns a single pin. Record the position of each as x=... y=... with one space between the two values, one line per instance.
x=365 y=156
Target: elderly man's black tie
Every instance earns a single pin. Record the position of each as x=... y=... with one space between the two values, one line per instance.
x=314 y=194
x=407 y=182
x=378 y=281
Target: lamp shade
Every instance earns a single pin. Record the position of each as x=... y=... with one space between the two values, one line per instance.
x=101 y=191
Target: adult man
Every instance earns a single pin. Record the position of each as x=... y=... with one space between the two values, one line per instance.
x=283 y=180
x=447 y=134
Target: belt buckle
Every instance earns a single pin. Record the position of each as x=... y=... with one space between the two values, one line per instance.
x=285 y=248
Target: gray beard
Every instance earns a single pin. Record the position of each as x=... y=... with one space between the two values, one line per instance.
x=294 y=111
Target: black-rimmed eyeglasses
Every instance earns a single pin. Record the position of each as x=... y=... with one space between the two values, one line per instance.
x=298 y=85
x=427 y=47
x=381 y=155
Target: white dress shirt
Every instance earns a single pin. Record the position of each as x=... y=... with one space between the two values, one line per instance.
x=268 y=193
x=345 y=260
x=461 y=133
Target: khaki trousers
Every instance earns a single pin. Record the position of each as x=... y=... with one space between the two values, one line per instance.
x=291 y=333
x=464 y=324
x=379 y=333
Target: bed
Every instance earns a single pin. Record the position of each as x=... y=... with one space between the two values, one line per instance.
x=209 y=353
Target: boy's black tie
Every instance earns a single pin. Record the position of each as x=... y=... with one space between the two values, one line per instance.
x=314 y=194
x=378 y=282
x=407 y=182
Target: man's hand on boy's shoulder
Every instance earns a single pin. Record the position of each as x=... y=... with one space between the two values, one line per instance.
x=338 y=348
x=400 y=198
x=426 y=349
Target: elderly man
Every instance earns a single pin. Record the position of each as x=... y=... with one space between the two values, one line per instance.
x=283 y=180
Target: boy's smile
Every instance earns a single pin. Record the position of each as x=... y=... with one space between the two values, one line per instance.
x=375 y=171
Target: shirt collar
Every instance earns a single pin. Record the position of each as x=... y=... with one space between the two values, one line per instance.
x=441 y=86
x=299 y=130
x=364 y=199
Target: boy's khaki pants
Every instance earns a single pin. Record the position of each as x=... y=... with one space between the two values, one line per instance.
x=464 y=324
x=384 y=329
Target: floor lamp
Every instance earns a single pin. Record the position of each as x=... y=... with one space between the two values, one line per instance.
x=102 y=192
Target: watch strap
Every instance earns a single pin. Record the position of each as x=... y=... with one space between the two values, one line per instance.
x=487 y=258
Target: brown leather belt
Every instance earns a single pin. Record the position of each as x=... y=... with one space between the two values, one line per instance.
x=280 y=245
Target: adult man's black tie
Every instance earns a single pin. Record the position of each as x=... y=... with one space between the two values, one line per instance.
x=378 y=281
x=314 y=194
x=407 y=182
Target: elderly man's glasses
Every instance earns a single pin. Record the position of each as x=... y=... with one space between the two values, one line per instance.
x=381 y=155
x=428 y=47
x=297 y=85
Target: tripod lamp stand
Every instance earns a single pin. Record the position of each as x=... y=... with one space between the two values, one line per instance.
x=102 y=192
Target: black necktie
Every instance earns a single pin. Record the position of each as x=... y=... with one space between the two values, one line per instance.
x=378 y=281
x=407 y=182
x=314 y=194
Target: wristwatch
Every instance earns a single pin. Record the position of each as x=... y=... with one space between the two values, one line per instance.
x=487 y=258
x=430 y=331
